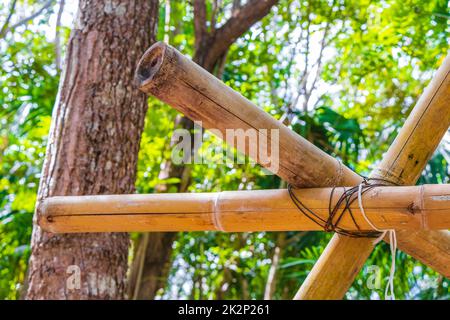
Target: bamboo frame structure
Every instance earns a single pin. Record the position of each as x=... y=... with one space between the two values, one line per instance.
x=406 y=208
x=415 y=212
x=168 y=75
x=405 y=160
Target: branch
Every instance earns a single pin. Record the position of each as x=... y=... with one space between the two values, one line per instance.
x=276 y=257
x=167 y=21
x=199 y=23
x=57 y=35
x=215 y=8
x=305 y=76
x=318 y=62
x=241 y=20
x=29 y=18
x=323 y=44
x=4 y=29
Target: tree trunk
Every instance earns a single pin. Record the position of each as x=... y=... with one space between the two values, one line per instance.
x=153 y=254
x=210 y=50
x=271 y=283
x=93 y=147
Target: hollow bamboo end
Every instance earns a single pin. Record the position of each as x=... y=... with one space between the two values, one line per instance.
x=150 y=64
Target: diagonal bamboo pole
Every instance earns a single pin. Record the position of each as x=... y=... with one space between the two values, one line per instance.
x=411 y=208
x=169 y=76
x=344 y=257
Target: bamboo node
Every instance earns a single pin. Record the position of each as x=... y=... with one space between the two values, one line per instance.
x=215 y=214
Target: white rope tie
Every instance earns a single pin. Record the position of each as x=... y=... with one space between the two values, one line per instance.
x=215 y=214
x=392 y=244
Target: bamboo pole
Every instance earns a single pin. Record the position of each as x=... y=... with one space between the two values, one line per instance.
x=344 y=257
x=411 y=208
x=174 y=79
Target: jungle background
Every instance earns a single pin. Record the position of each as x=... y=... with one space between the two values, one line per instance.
x=343 y=74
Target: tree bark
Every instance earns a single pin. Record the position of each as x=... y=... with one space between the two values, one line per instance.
x=210 y=48
x=93 y=147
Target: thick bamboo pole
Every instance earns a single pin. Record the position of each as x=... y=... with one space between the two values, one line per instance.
x=411 y=208
x=171 y=77
x=174 y=79
x=344 y=257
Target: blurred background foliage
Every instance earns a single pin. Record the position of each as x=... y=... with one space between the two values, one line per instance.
x=342 y=73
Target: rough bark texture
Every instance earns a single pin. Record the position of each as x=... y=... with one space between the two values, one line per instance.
x=93 y=147
x=210 y=49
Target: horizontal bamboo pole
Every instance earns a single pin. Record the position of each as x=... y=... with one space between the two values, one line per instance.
x=169 y=76
x=405 y=160
x=411 y=208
